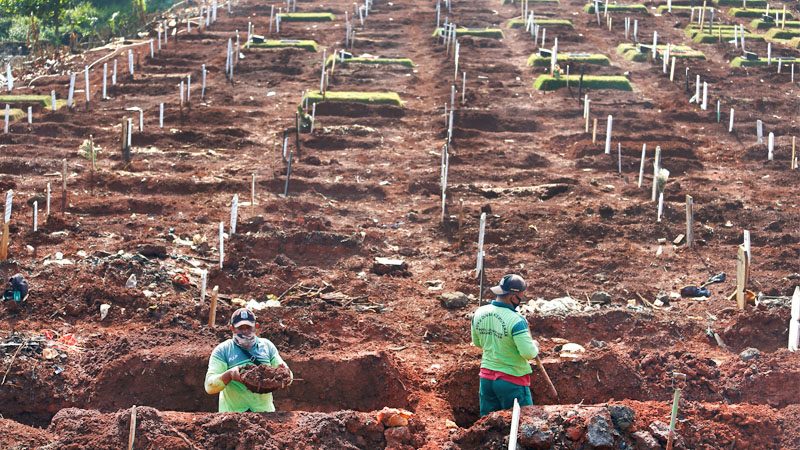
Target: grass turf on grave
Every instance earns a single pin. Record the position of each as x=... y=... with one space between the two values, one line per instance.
x=682 y=10
x=760 y=24
x=494 y=33
x=405 y=62
x=519 y=22
x=550 y=83
x=42 y=100
x=711 y=35
x=777 y=34
x=743 y=62
x=371 y=98
x=13 y=114
x=510 y=2
x=633 y=52
x=753 y=3
x=755 y=12
x=310 y=46
x=589 y=8
x=537 y=60
x=307 y=17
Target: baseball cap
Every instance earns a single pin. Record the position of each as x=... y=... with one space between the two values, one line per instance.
x=243 y=316
x=508 y=284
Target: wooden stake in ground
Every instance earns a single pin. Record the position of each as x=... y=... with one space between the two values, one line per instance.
x=594 y=132
x=641 y=165
x=35 y=216
x=546 y=377
x=203 y=285
x=6 y=220
x=212 y=313
x=288 y=174
x=770 y=146
x=132 y=431
x=673 y=417
x=47 y=211
x=794 y=322
x=730 y=122
x=741 y=277
x=71 y=92
x=234 y=213
x=689 y=221
x=479 y=265
x=656 y=167
x=512 y=437
x=64 y=186
x=126 y=149
x=221 y=243
x=608 y=134
x=793 y=162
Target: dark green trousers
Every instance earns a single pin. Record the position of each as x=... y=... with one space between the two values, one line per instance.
x=498 y=395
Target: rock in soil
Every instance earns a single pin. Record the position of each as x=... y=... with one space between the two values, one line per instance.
x=264 y=379
x=454 y=300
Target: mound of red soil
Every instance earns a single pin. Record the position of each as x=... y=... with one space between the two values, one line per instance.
x=263 y=379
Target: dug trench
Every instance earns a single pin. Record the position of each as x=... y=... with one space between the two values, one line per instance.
x=172 y=379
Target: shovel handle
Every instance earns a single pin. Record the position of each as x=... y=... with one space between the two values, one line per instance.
x=546 y=377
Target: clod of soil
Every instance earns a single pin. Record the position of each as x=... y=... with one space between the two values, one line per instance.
x=263 y=379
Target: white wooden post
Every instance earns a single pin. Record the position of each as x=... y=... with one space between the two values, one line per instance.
x=660 y=205
x=512 y=437
x=52 y=100
x=234 y=213
x=641 y=165
x=730 y=122
x=9 y=78
x=71 y=94
x=608 y=134
x=105 y=81
x=704 y=105
x=794 y=322
x=656 y=167
x=7 y=118
x=87 y=88
x=221 y=243
x=203 y=83
x=760 y=131
x=35 y=216
x=114 y=74
x=689 y=221
x=47 y=205
x=161 y=115
x=130 y=62
x=30 y=115
x=770 y=146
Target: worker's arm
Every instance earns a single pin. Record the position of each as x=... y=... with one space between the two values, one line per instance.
x=476 y=338
x=526 y=346
x=218 y=375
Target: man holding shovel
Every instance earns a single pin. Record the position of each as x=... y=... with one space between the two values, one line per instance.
x=507 y=345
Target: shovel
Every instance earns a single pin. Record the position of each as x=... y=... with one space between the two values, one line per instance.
x=546 y=377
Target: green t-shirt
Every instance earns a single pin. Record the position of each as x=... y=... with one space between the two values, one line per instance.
x=235 y=397
x=504 y=336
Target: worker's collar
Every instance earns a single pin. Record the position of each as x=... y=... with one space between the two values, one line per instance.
x=503 y=305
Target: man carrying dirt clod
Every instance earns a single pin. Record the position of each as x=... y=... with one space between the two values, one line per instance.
x=232 y=358
x=507 y=345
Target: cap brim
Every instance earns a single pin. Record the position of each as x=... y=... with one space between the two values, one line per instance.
x=244 y=322
x=497 y=290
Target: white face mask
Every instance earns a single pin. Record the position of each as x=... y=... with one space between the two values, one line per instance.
x=245 y=341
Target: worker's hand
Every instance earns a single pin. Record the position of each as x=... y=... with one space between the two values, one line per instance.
x=232 y=375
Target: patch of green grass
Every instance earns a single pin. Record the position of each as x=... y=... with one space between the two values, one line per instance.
x=519 y=22
x=616 y=82
x=311 y=46
x=633 y=52
x=372 y=98
x=41 y=100
x=759 y=24
x=755 y=12
x=495 y=33
x=13 y=114
x=710 y=35
x=589 y=8
x=776 y=34
x=405 y=62
x=743 y=62
x=753 y=3
x=307 y=17
x=537 y=60
x=682 y=10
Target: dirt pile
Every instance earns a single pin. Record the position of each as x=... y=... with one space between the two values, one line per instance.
x=263 y=379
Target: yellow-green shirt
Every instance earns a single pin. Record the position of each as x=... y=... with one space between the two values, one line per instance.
x=235 y=397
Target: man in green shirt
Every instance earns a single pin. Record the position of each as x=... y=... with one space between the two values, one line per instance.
x=243 y=349
x=507 y=345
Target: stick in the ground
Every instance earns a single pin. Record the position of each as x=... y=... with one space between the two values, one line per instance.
x=546 y=377
x=512 y=437
x=609 y=124
x=212 y=312
x=673 y=417
x=741 y=270
x=234 y=213
x=794 y=323
x=132 y=431
x=64 y=186
x=221 y=244
x=689 y=221
x=770 y=146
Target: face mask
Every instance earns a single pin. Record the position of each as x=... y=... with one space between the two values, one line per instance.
x=245 y=341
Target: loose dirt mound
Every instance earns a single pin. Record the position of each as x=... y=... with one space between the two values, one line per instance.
x=263 y=379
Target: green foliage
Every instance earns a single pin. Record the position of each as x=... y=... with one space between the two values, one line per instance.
x=614 y=82
x=759 y=24
x=777 y=34
x=373 y=98
x=537 y=60
x=710 y=35
x=589 y=8
x=307 y=17
x=406 y=62
x=633 y=52
x=753 y=3
x=311 y=46
x=82 y=19
x=743 y=62
x=682 y=10
x=755 y=12
x=50 y=12
x=41 y=100
x=519 y=22
x=495 y=33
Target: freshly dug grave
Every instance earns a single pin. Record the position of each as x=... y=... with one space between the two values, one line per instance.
x=263 y=379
